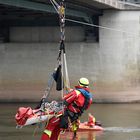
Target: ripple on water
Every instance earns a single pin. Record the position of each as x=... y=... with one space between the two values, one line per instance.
x=122 y=129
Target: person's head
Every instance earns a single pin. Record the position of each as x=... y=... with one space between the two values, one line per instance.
x=83 y=82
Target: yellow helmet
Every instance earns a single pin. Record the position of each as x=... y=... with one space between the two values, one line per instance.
x=83 y=82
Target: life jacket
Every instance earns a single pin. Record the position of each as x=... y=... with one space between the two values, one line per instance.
x=68 y=113
x=88 y=97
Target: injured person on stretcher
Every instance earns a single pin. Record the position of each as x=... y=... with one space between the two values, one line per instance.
x=58 y=116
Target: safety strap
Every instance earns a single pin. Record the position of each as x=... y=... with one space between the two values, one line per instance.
x=87 y=96
x=60 y=9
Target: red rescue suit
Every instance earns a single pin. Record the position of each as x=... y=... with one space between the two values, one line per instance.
x=77 y=98
x=73 y=101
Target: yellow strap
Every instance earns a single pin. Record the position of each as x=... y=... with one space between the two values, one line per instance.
x=48 y=132
x=58 y=137
x=77 y=92
x=75 y=126
x=59 y=115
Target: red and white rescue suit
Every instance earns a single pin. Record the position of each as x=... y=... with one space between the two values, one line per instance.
x=76 y=102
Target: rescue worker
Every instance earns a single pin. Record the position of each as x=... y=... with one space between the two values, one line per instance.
x=91 y=120
x=75 y=102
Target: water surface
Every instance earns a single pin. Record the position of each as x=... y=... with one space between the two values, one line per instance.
x=120 y=122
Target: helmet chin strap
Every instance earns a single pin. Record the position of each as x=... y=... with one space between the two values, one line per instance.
x=83 y=85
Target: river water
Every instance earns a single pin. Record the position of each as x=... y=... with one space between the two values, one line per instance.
x=120 y=122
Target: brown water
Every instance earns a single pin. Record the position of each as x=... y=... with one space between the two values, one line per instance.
x=120 y=122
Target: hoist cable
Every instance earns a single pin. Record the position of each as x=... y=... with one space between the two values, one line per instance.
x=55 y=6
x=99 y=26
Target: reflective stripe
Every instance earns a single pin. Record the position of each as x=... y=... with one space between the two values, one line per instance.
x=69 y=98
x=94 y=120
x=48 y=132
x=74 y=109
x=59 y=115
x=77 y=92
x=74 y=127
x=56 y=120
x=58 y=137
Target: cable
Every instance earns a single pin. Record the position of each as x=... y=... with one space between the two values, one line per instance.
x=103 y=27
x=60 y=9
x=55 y=6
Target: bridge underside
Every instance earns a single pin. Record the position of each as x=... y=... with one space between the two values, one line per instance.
x=30 y=10
x=42 y=13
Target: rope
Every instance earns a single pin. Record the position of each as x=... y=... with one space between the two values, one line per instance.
x=67 y=77
x=62 y=84
x=55 y=5
x=103 y=27
x=61 y=11
x=49 y=87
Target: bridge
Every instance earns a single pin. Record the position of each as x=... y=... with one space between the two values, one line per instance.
x=13 y=9
x=29 y=36
x=39 y=12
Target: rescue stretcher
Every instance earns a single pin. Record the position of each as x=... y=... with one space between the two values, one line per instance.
x=27 y=116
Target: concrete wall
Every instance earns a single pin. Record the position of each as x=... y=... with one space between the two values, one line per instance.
x=45 y=34
x=112 y=65
x=120 y=55
x=25 y=67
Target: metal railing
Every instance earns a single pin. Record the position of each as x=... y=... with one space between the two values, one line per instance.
x=131 y=1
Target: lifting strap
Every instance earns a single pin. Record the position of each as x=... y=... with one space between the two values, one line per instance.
x=60 y=9
x=60 y=74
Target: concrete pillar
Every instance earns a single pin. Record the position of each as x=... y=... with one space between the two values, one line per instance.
x=120 y=55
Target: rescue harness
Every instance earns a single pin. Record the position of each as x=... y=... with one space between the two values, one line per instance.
x=69 y=116
x=87 y=96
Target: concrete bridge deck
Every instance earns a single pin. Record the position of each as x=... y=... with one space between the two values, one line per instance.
x=86 y=9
